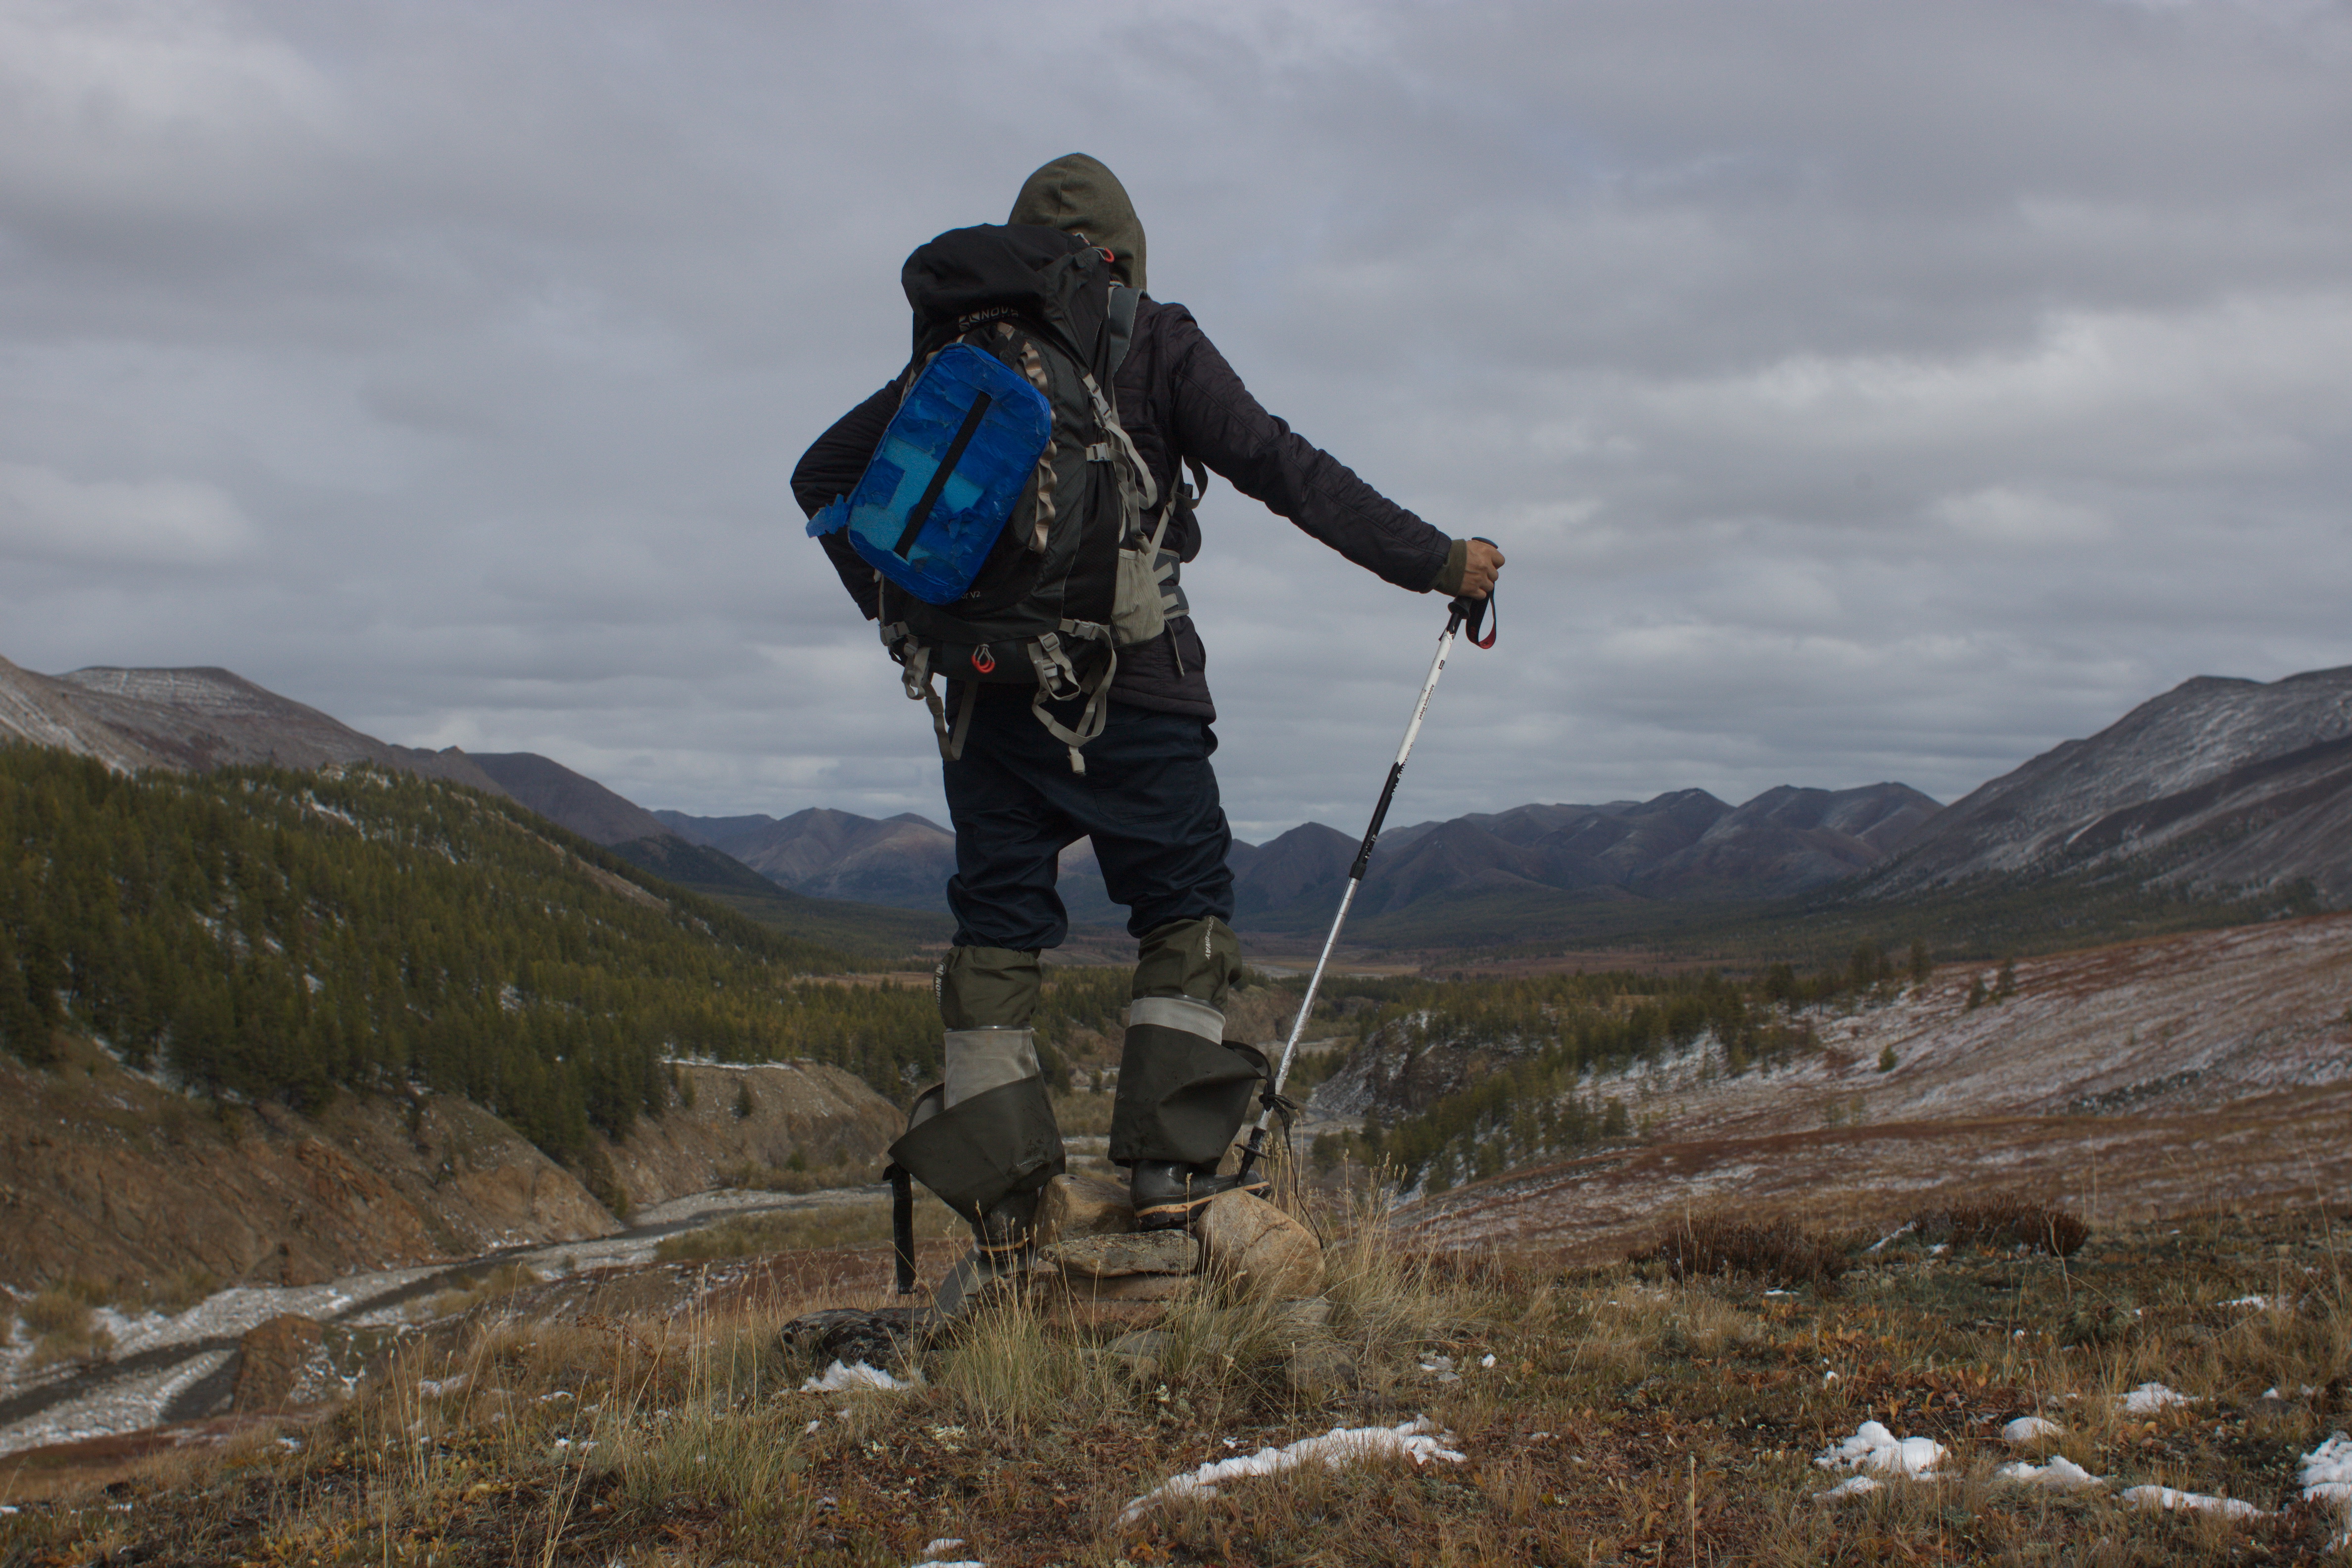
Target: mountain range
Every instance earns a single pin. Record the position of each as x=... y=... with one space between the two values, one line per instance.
x=2218 y=785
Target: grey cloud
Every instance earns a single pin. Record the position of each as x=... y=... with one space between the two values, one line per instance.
x=1860 y=392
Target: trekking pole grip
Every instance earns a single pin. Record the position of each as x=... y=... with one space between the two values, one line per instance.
x=1469 y=613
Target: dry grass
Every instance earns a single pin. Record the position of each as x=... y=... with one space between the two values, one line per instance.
x=475 y=1291
x=796 y=1230
x=61 y=1324
x=754 y=1176
x=1619 y=1419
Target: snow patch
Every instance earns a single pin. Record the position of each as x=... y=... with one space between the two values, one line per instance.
x=839 y=1379
x=2327 y=1473
x=2061 y=1474
x=2170 y=1499
x=1854 y=1486
x=1417 y=1440
x=2150 y=1398
x=1873 y=1447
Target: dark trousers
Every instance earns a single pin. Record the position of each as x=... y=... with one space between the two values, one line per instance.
x=1147 y=799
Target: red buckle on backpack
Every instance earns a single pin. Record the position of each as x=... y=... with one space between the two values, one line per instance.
x=983 y=660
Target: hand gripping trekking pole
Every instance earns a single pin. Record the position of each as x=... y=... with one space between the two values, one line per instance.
x=1461 y=612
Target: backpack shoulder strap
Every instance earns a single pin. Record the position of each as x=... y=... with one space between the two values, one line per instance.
x=1120 y=327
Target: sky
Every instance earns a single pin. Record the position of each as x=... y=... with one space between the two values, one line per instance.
x=1860 y=391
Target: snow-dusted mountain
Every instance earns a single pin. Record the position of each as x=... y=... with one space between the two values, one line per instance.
x=196 y=719
x=2222 y=784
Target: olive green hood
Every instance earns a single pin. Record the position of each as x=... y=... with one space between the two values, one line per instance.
x=1078 y=194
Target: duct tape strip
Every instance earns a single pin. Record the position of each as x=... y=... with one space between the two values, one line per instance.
x=1193 y=1017
x=980 y=1059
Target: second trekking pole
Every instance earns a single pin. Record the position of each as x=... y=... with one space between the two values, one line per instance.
x=1461 y=612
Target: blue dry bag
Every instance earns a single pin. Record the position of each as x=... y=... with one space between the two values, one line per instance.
x=950 y=471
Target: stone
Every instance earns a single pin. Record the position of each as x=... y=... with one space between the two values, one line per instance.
x=1112 y=1256
x=1068 y=1312
x=1081 y=1203
x=1301 y=1317
x=884 y=1339
x=1257 y=1248
x=1129 y=1287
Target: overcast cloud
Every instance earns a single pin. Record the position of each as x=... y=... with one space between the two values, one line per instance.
x=1861 y=391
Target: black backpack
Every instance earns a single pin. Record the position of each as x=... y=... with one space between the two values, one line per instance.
x=1074 y=575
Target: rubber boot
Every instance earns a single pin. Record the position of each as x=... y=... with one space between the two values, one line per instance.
x=1184 y=1090
x=985 y=1139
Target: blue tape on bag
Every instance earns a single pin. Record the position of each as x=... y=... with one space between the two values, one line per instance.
x=949 y=472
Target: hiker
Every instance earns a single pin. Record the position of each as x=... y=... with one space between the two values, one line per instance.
x=1030 y=771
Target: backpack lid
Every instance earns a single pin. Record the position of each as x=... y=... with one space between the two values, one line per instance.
x=1055 y=279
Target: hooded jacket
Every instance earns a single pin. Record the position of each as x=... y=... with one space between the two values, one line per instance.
x=1178 y=400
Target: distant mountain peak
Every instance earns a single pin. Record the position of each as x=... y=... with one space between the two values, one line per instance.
x=2236 y=783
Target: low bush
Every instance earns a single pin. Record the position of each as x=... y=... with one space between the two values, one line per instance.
x=2004 y=1220
x=1780 y=1252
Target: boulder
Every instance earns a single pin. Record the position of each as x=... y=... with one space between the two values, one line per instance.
x=1115 y=1256
x=1259 y=1249
x=1080 y=1202
x=1126 y=1287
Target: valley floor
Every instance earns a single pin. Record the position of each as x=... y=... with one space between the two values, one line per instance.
x=2187 y=1381
x=175 y=1367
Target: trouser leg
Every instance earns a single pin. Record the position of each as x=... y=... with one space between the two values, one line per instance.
x=985 y=1139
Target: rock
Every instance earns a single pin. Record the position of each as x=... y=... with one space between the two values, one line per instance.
x=1080 y=1202
x=1305 y=1316
x=1128 y=1287
x=1112 y=1256
x=883 y=1338
x=1258 y=1248
x=1068 y=1312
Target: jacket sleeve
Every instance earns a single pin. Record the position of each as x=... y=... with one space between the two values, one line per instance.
x=830 y=468
x=1221 y=424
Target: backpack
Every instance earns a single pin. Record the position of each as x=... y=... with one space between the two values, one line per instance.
x=1005 y=510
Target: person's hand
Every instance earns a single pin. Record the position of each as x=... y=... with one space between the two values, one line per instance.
x=1480 y=567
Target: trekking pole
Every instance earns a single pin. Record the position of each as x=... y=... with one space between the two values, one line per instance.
x=1461 y=612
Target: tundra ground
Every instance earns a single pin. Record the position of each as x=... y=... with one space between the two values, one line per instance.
x=1666 y=1411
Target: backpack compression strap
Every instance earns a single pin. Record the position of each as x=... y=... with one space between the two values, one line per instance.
x=917 y=676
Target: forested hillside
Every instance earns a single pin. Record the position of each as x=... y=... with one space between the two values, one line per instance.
x=1459 y=1080
x=270 y=934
